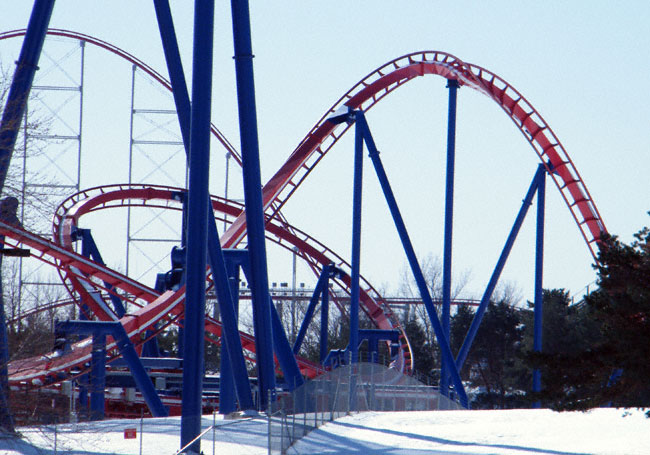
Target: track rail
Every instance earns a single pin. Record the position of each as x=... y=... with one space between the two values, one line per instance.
x=394 y=74
x=84 y=277
x=317 y=254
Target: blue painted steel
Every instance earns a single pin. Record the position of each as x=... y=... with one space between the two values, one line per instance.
x=126 y=349
x=227 y=295
x=357 y=194
x=6 y=419
x=253 y=198
x=197 y=223
x=283 y=352
x=21 y=84
x=412 y=258
x=97 y=376
x=485 y=300
x=174 y=68
x=89 y=249
x=449 y=218
x=227 y=392
x=321 y=284
x=324 y=317
x=539 y=274
x=374 y=336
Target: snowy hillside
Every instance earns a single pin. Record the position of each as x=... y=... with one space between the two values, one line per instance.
x=510 y=432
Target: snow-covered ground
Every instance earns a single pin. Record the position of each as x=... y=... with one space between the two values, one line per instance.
x=532 y=432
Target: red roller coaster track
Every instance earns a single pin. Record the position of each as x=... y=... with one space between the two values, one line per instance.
x=85 y=279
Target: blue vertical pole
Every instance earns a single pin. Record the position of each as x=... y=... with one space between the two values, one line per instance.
x=356 y=243
x=324 y=316
x=496 y=274
x=228 y=301
x=6 y=420
x=174 y=68
x=227 y=402
x=253 y=198
x=449 y=218
x=197 y=238
x=539 y=273
x=22 y=82
x=411 y=257
x=97 y=376
x=309 y=313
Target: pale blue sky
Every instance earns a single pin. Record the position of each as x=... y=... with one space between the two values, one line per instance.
x=583 y=64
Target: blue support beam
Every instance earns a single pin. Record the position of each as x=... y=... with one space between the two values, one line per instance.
x=324 y=321
x=452 y=84
x=494 y=279
x=412 y=258
x=89 y=249
x=539 y=274
x=6 y=419
x=227 y=293
x=357 y=194
x=253 y=198
x=126 y=349
x=21 y=84
x=197 y=223
x=321 y=284
x=97 y=376
x=226 y=296
x=281 y=346
x=227 y=391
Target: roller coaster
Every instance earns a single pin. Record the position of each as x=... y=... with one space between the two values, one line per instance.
x=102 y=294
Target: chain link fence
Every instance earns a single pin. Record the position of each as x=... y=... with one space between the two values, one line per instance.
x=348 y=389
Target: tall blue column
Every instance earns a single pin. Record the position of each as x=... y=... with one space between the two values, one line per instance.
x=22 y=82
x=539 y=272
x=6 y=420
x=496 y=273
x=356 y=243
x=411 y=257
x=259 y=280
x=227 y=394
x=197 y=238
x=449 y=218
x=97 y=376
x=324 y=316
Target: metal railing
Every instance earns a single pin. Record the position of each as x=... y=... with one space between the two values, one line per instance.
x=348 y=389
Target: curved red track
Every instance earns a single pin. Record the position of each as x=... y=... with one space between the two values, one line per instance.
x=83 y=277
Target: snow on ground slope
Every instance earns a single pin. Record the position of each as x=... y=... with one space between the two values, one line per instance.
x=511 y=432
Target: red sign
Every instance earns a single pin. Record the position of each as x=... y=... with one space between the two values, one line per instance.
x=130 y=433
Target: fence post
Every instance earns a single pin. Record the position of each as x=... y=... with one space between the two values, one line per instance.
x=141 y=429
x=214 y=428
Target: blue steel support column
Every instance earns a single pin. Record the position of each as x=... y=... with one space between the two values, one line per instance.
x=253 y=198
x=97 y=376
x=485 y=300
x=356 y=243
x=174 y=68
x=227 y=394
x=22 y=82
x=226 y=297
x=412 y=258
x=324 y=317
x=309 y=314
x=235 y=359
x=449 y=218
x=6 y=420
x=197 y=239
x=539 y=273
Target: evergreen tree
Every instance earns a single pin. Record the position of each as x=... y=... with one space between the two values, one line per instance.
x=614 y=368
